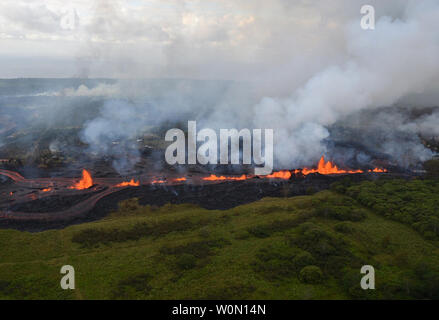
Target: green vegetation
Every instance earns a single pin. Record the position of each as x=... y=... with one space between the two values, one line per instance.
x=309 y=247
x=413 y=202
x=311 y=274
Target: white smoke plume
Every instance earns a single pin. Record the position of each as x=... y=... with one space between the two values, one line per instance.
x=113 y=132
x=399 y=58
x=324 y=81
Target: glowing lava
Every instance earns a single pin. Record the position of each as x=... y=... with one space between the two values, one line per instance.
x=213 y=177
x=323 y=167
x=131 y=183
x=327 y=168
x=285 y=174
x=47 y=190
x=85 y=183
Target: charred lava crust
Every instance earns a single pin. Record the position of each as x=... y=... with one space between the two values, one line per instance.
x=59 y=211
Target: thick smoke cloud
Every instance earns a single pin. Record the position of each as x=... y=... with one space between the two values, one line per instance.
x=399 y=58
x=302 y=68
x=371 y=69
x=112 y=134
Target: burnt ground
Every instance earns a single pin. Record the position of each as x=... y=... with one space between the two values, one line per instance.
x=52 y=204
x=218 y=196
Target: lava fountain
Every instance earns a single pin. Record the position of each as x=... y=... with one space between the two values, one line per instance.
x=85 y=183
x=324 y=167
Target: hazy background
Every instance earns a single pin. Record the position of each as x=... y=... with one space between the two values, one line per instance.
x=299 y=67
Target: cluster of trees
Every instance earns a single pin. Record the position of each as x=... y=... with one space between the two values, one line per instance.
x=413 y=202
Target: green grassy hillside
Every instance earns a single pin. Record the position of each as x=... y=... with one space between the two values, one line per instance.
x=309 y=247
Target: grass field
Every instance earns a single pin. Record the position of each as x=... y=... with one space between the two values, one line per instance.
x=309 y=247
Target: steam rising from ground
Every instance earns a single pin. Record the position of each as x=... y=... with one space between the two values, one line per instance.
x=111 y=134
x=375 y=69
x=303 y=68
x=400 y=58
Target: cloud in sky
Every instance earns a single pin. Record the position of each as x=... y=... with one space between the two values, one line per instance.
x=223 y=39
x=310 y=63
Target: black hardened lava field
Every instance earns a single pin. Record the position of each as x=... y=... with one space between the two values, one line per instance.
x=44 y=203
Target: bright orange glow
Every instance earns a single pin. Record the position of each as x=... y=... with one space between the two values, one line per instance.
x=47 y=189
x=280 y=175
x=131 y=183
x=323 y=167
x=213 y=177
x=327 y=168
x=85 y=183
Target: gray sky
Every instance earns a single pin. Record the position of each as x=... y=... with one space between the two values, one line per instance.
x=311 y=62
x=219 y=39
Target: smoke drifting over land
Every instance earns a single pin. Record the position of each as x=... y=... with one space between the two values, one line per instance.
x=398 y=59
x=375 y=69
x=304 y=69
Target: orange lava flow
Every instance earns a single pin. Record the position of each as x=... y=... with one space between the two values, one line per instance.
x=327 y=168
x=285 y=174
x=85 y=183
x=378 y=170
x=213 y=177
x=180 y=179
x=159 y=181
x=47 y=190
x=131 y=183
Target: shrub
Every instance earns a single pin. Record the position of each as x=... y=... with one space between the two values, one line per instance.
x=242 y=235
x=136 y=284
x=311 y=275
x=344 y=227
x=334 y=265
x=129 y=205
x=342 y=213
x=302 y=260
x=186 y=262
x=266 y=230
x=275 y=261
x=204 y=232
x=260 y=231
